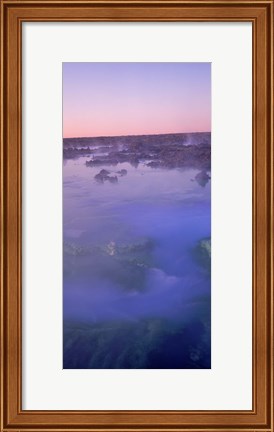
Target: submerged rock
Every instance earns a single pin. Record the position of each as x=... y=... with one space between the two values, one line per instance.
x=135 y=256
x=202 y=178
x=103 y=176
x=145 y=343
x=122 y=172
x=205 y=245
x=113 y=179
x=125 y=264
x=73 y=249
x=202 y=253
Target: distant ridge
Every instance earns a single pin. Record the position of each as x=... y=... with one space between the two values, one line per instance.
x=179 y=135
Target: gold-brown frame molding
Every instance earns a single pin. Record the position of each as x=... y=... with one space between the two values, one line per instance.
x=260 y=13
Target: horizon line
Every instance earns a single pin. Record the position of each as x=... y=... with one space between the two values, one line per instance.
x=135 y=135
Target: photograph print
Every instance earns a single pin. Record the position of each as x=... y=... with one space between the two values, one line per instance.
x=136 y=215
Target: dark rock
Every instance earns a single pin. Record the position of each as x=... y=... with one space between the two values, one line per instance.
x=113 y=179
x=102 y=161
x=103 y=176
x=122 y=172
x=134 y=161
x=75 y=152
x=186 y=150
x=202 y=178
x=154 y=164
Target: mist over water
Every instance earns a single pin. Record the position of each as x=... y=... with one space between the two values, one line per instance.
x=136 y=292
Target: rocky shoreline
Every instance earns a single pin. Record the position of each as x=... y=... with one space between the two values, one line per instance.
x=187 y=150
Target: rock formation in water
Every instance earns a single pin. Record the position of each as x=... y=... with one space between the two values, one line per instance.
x=202 y=253
x=103 y=176
x=122 y=172
x=125 y=264
x=157 y=151
x=202 y=178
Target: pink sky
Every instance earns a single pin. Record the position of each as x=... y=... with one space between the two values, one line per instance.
x=111 y=99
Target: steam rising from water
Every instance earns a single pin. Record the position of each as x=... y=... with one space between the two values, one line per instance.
x=130 y=268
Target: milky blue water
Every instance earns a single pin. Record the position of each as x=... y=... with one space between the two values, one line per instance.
x=136 y=293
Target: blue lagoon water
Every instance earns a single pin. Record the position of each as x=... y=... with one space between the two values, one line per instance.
x=136 y=278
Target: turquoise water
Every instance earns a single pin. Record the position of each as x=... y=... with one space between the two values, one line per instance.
x=136 y=288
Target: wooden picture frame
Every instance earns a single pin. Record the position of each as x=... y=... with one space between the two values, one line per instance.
x=13 y=14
